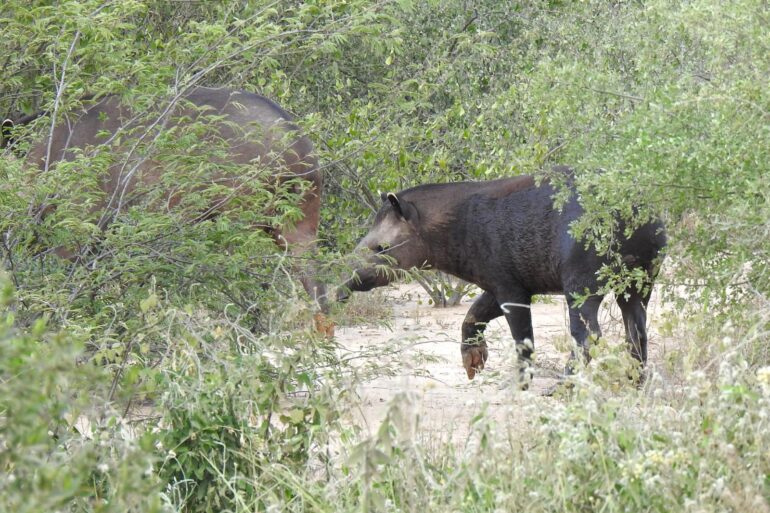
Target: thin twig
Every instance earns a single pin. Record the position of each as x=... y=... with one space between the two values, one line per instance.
x=452 y=48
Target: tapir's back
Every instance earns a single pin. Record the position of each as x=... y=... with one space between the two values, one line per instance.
x=250 y=123
x=510 y=230
x=224 y=127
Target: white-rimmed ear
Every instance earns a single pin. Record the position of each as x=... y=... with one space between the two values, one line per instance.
x=5 y=132
x=396 y=204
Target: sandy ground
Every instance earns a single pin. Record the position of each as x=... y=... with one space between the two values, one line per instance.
x=430 y=368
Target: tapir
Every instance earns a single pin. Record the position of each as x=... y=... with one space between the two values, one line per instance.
x=251 y=128
x=507 y=237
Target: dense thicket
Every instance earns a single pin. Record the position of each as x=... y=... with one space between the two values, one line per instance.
x=662 y=107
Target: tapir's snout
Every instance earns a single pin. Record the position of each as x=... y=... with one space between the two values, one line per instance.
x=364 y=279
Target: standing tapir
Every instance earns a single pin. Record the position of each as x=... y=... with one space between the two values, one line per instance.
x=255 y=131
x=507 y=237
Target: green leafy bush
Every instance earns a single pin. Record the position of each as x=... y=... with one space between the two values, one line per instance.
x=160 y=374
x=239 y=405
x=62 y=446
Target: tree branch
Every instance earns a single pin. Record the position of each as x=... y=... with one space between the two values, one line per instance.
x=468 y=23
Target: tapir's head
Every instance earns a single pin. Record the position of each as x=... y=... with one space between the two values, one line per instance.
x=395 y=240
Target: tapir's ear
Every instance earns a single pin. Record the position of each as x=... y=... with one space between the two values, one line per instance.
x=5 y=132
x=396 y=204
x=383 y=196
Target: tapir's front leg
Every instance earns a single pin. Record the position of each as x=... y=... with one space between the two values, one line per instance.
x=473 y=347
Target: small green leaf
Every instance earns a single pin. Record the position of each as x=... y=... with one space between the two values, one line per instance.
x=149 y=303
x=296 y=416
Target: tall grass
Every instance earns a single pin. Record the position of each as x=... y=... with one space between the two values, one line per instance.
x=236 y=421
x=700 y=443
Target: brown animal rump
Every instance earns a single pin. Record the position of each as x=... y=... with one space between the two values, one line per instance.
x=243 y=128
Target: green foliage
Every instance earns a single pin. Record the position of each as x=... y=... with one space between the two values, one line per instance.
x=233 y=405
x=61 y=445
x=687 y=139
x=239 y=404
x=661 y=106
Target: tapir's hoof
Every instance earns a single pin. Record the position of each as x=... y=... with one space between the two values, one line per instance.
x=473 y=359
x=323 y=325
x=526 y=375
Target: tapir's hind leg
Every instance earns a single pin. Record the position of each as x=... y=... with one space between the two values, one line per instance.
x=473 y=347
x=583 y=323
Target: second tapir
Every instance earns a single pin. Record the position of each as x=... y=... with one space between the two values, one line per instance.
x=507 y=237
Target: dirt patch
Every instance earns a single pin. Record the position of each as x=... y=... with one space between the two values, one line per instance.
x=427 y=342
